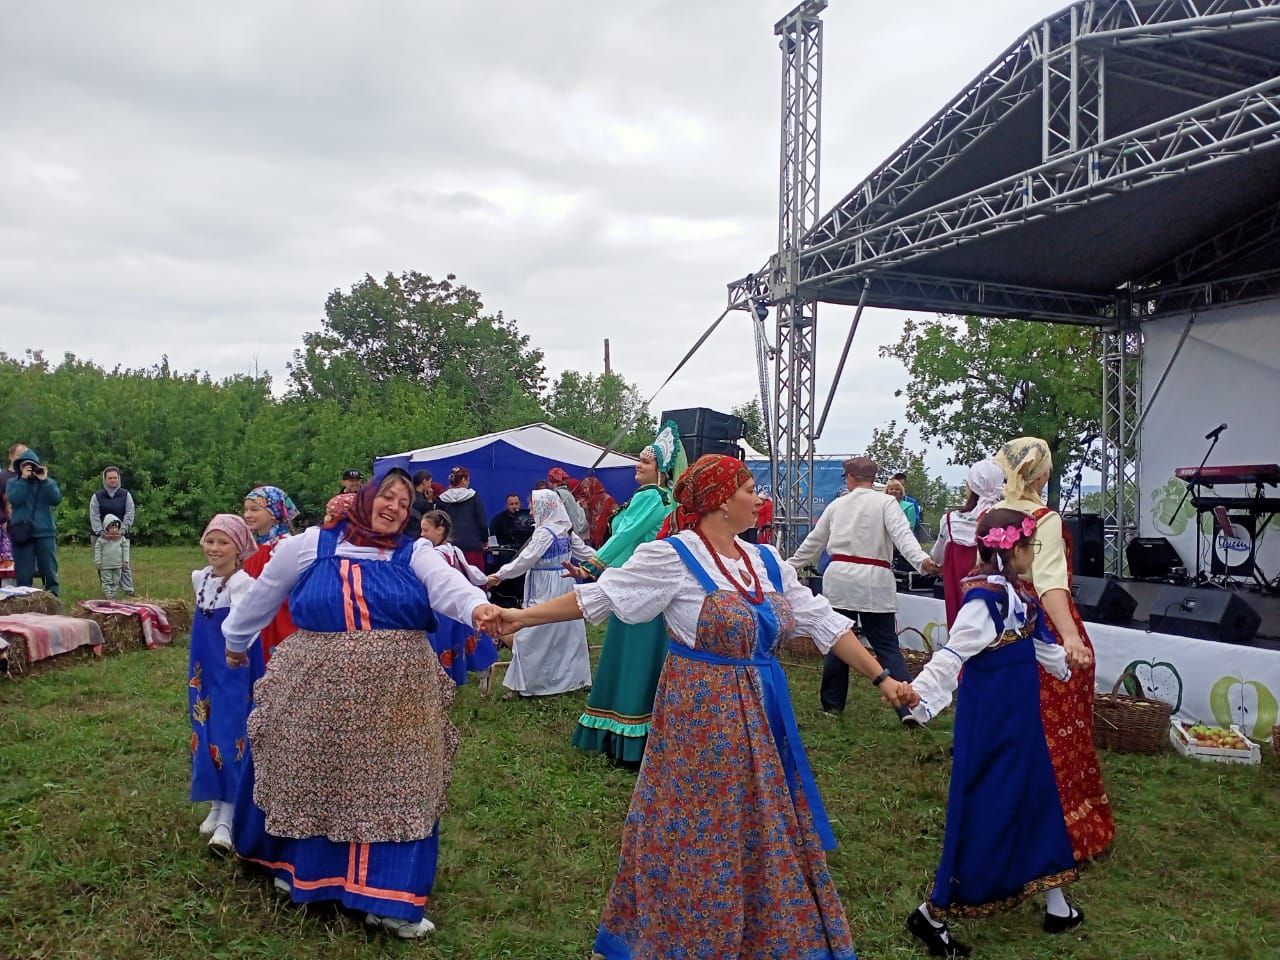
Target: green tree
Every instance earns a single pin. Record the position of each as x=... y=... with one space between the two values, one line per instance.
x=595 y=408
x=426 y=332
x=751 y=416
x=976 y=383
x=891 y=451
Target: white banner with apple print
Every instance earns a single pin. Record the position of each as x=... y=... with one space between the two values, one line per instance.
x=1204 y=681
x=1227 y=372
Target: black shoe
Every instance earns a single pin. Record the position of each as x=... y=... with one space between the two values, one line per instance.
x=1056 y=924
x=937 y=939
x=911 y=723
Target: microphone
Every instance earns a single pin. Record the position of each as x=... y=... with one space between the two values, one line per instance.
x=1213 y=434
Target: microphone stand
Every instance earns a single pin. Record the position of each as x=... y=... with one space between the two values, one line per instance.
x=1075 y=483
x=1192 y=484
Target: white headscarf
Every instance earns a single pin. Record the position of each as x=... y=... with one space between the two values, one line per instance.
x=986 y=479
x=548 y=511
x=1023 y=461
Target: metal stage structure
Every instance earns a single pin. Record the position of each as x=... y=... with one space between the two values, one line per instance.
x=1116 y=163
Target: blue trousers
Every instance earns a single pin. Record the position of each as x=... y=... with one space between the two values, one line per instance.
x=41 y=553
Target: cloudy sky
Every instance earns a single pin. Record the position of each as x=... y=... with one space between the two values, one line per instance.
x=193 y=179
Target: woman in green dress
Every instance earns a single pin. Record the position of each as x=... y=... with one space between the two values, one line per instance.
x=620 y=708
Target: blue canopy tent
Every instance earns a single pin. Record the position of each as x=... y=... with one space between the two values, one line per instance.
x=512 y=461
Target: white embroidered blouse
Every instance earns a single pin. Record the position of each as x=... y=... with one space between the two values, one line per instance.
x=655 y=581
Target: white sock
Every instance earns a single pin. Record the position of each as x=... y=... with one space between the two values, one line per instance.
x=1055 y=903
x=225 y=813
x=215 y=809
x=936 y=924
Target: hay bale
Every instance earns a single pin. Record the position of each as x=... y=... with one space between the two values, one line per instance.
x=20 y=666
x=119 y=633
x=178 y=611
x=42 y=601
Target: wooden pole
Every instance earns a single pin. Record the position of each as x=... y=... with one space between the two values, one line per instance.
x=608 y=367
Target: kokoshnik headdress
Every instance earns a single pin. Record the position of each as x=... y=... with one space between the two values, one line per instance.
x=668 y=451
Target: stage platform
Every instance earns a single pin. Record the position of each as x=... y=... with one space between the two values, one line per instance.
x=1203 y=680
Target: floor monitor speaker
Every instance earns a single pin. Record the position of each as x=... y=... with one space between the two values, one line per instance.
x=1152 y=558
x=1102 y=600
x=1205 y=614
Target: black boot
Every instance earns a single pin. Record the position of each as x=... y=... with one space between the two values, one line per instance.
x=1056 y=924
x=937 y=939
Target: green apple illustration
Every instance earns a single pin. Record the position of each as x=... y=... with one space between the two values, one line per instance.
x=1246 y=703
x=1155 y=681
x=1164 y=501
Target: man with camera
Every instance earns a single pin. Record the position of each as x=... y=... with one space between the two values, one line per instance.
x=32 y=495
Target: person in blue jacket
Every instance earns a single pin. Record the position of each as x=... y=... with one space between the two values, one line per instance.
x=32 y=496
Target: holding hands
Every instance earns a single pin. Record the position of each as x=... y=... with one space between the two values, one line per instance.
x=1078 y=655
x=899 y=693
x=930 y=567
x=575 y=571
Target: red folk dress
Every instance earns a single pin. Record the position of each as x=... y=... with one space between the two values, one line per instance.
x=1066 y=711
x=280 y=628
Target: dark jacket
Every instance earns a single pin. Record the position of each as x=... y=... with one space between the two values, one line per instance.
x=33 y=500
x=421 y=506
x=512 y=529
x=470 y=523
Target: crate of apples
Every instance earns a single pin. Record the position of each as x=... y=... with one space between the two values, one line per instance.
x=1221 y=744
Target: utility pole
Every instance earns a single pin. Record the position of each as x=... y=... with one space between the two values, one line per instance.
x=608 y=367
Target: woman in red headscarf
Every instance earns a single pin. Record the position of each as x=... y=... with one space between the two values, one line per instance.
x=723 y=749
x=599 y=507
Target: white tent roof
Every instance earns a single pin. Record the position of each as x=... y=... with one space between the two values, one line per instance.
x=540 y=439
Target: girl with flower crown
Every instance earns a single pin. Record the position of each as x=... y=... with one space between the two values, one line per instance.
x=217 y=696
x=1067 y=710
x=620 y=709
x=1005 y=837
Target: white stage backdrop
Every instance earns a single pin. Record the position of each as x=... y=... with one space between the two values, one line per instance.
x=1228 y=372
x=1205 y=682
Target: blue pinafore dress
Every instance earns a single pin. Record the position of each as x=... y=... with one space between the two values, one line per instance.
x=723 y=849
x=1005 y=837
x=462 y=649
x=217 y=706
x=389 y=879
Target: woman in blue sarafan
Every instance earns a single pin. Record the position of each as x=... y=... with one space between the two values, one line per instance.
x=1006 y=838
x=350 y=746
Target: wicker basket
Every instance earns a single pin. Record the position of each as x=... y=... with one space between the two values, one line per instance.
x=916 y=659
x=800 y=647
x=1130 y=724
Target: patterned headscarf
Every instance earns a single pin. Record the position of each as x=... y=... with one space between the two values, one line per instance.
x=339 y=506
x=1023 y=460
x=236 y=530
x=548 y=511
x=599 y=508
x=359 y=521
x=707 y=486
x=277 y=503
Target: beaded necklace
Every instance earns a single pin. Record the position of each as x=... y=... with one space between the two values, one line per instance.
x=213 y=603
x=753 y=596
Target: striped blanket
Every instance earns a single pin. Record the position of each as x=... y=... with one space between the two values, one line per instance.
x=47 y=636
x=155 y=624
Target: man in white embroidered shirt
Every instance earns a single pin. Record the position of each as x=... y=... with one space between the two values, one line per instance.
x=859 y=531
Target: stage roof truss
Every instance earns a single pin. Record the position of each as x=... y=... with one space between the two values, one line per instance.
x=1246 y=120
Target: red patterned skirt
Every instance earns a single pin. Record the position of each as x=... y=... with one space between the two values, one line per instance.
x=1066 y=709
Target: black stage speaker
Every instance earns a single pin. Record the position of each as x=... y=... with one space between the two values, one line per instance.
x=1152 y=558
x=1204 y=614
x=1102 y=600
x=705 y=431
x=1087 y=544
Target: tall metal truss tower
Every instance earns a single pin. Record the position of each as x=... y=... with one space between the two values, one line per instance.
x=796 y=327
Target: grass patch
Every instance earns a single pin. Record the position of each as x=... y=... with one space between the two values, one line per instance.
x=99 y=855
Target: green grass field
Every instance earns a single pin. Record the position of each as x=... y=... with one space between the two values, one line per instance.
x=99 y=856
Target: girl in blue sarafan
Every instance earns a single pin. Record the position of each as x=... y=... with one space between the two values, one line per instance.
x=1006 y=838
x=462 y=649
x=217 y=696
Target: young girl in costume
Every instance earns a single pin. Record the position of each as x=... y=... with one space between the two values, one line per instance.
x=218 y=697
x=270 y=514
x=1005 y=837
x=461 y=649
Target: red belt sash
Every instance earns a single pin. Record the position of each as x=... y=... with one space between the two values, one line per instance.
x=864 y=561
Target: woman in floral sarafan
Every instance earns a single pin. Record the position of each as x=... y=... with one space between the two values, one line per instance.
x=723 y=849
